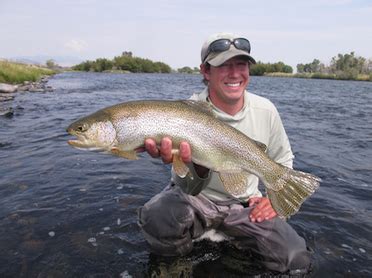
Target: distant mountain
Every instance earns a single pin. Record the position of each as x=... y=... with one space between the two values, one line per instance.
x=64 y=61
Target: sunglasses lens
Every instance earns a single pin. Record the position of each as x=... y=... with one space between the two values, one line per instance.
x=220 y=45
x=243 y=44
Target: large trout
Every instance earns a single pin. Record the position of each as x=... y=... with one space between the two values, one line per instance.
x=123 y=128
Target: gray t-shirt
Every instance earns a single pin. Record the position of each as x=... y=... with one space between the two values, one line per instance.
x=259 y=120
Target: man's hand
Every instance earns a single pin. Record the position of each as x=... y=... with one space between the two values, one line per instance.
x=262 y=210
x=165 y=150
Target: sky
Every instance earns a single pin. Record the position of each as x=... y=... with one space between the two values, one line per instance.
x=173 y=31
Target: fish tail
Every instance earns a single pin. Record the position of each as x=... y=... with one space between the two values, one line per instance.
x=295 y=188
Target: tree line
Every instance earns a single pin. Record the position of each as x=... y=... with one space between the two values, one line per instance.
x=125 y=62
x=342 y=66
x=129 y=63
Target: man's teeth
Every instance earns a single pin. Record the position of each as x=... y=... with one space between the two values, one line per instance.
x=233 y=84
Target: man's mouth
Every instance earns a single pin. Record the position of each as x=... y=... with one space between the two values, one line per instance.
x=236 y=84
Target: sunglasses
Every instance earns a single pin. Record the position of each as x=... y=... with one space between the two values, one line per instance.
x=224 y=44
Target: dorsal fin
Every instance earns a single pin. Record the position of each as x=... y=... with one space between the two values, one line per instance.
x=202 y=106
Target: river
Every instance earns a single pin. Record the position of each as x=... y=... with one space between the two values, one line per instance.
x=70 y=213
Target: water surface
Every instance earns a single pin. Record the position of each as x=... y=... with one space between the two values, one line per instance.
x=69 y=213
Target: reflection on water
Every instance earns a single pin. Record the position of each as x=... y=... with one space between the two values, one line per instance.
x=67 y=213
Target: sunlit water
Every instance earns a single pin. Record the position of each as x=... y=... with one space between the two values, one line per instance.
x=69 y=213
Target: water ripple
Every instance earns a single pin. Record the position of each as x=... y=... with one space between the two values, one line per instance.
x=47 y=187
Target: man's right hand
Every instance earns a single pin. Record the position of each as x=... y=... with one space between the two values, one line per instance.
x=165 y=152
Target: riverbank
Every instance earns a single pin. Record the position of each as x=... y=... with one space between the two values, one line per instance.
x=23 y=77
x=17 y=73
x=359 y=77
x=8 y=93
x=17 y=77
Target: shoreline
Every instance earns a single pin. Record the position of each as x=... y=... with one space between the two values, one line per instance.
x=360 y=77
x=8 y=93
x=26 y=86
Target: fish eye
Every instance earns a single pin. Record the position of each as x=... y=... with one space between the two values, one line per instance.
x=82 y=128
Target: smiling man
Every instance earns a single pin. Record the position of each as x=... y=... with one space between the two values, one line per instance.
x=197 y=203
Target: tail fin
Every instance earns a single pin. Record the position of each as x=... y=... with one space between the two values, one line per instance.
x=298 y=186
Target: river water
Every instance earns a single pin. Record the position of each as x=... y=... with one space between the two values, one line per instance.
x=70 y=213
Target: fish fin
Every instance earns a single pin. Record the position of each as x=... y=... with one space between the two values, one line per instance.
x=234 y=183
x=179 y=167
x=201 y=106
x=296 y=187
x=262 y=146
x=132 y=155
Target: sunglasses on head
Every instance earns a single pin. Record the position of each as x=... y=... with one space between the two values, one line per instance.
x=224 y=44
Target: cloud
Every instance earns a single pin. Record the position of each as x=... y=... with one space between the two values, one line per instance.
x=76 y=45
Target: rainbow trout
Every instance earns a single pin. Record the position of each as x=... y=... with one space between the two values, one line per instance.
x=123 y=128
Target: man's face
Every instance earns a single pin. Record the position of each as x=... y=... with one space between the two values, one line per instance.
x=228 y=81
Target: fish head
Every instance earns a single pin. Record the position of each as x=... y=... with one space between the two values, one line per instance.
x=94 y=132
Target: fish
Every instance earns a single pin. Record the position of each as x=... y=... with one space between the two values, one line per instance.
x=122 y=129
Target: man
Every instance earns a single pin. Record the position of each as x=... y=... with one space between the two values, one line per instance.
x=190 y=206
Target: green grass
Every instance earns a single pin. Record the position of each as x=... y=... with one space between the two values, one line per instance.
x=16 y=73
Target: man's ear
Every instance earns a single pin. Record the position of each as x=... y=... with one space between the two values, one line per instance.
x=205 y=70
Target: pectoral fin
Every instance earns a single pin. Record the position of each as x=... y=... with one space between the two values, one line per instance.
x=132 y=155
x=234 y=183
x=179 y=166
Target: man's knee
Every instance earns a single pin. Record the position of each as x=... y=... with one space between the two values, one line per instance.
x=165 y=214
x=166 y=221
x=290 y=249
x=299 y=259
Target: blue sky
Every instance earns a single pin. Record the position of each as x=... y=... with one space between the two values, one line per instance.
x=173 y=31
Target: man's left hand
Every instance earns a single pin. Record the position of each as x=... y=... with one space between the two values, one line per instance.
x=262 y=210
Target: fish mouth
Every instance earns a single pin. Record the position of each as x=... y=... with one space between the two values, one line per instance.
x=82 y=143
x=77 y=143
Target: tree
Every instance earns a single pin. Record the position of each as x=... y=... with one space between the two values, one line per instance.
x=314 y=66
x=185 y=70
x=347 y=63
x=51 y=64
x=258 y=69
x=127 y=53
x=262 y=68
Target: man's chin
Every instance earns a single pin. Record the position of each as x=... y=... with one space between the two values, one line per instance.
x=234 y=93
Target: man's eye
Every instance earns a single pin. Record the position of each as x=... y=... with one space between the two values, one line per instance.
x=225 y=65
